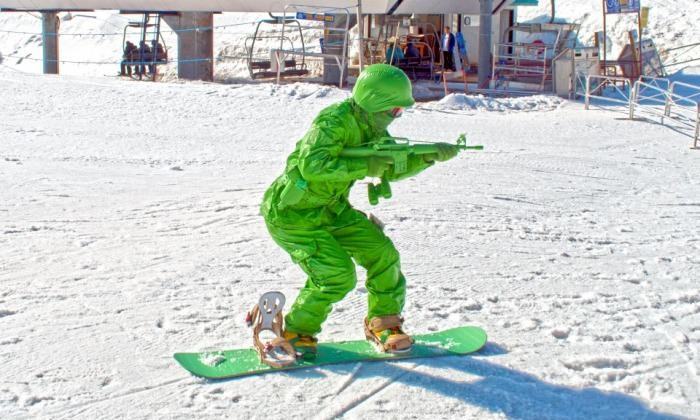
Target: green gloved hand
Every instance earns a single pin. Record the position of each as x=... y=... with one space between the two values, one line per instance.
x=377 y=165
x=445 y=151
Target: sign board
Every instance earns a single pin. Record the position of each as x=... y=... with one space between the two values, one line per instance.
x=645 y=17
x=622 y=6
x=470 y=20
x=318 y=17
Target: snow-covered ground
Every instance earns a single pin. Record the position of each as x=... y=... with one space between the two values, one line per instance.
x=129 y=230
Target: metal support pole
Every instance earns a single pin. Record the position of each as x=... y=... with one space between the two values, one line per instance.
x=493 y=66
x=697 y=128
x=669 y=100
x=360 y=34
x=639 y=40
x=605 y=41
x=278 y=61
x=588 y=92
x=485 y=19
x=49 y=35
x=634 y=92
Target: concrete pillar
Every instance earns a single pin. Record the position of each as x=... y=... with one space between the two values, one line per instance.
x=49 y=35
x=195 y=47
x=485 y=18
x=334 y=45
x=361 y=35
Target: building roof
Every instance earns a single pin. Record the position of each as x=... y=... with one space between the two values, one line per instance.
x=368 y=6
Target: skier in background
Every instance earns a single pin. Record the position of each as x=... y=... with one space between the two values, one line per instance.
x=307 y=213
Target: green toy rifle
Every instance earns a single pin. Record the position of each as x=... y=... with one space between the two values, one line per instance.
x=398 y=149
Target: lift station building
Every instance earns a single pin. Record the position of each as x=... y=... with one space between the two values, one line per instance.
x=483 y=25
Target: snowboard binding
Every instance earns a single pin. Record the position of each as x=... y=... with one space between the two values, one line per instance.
x=267 y=316
x=385 y=333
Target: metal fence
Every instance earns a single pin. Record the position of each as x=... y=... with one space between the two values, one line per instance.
x=594 y=87
x=514 y=61
x=676 y=104
x=672 y=108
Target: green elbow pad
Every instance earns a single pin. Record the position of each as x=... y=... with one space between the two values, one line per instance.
x=294 y=190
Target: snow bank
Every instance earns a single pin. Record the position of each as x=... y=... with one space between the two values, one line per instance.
x=463 y=102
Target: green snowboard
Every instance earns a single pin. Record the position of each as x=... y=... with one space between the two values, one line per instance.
x=242 y=362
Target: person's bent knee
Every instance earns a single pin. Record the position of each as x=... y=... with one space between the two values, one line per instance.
x=389 y=253
x=340 y=283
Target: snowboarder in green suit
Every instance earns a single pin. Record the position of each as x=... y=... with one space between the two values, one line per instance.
x=307 y=212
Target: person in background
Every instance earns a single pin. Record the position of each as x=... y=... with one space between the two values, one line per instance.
x=447 y=45
x=463 y=53
x=412 y=51
x=158 y=55
x=394 y=54
x=127 y=58
x=143 y=55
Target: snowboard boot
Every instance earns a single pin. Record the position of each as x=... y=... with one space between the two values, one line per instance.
x=386 y=334
x=305 y=346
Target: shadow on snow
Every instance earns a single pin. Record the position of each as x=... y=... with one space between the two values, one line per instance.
x=498 y=389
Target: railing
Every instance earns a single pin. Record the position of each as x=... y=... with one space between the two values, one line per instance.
x=514 y=60
x=686 y=112
x=682 y=107
x=624 y=93
x=650 y=103
x=660 y=85
x=655 y=96
x=688 y=98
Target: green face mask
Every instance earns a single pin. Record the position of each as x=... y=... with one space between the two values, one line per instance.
x=380 y=120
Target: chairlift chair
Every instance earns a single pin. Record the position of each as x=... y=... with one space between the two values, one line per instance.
x=150 y=35
x=260 y=65
x=423 y=67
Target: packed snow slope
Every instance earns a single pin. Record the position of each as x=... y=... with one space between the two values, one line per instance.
x=129 y=230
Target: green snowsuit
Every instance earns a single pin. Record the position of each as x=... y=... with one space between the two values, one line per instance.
x=320 y=229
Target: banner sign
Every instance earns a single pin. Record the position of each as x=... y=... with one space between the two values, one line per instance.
x=645 y=17
x=622 y=6
x=318 y=17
